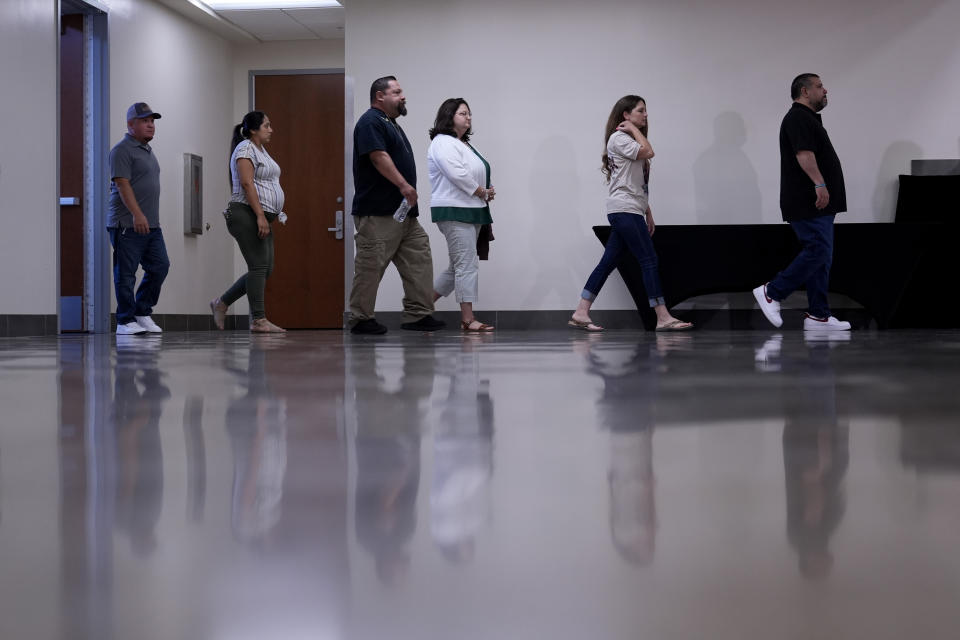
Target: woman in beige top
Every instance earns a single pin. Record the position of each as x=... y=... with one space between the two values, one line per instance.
x=626 y=163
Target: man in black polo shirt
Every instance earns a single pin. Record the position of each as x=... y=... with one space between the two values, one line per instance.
x=385 y=174
x=134 y=223
x=811 y=194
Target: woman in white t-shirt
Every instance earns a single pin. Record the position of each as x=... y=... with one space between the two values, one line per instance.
x=255 y=202
x=460 y=190
x=626 y=163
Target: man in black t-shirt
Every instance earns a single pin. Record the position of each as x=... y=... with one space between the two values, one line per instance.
x=811 y=194
x=384 y=175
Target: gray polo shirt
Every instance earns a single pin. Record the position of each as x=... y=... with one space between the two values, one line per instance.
x=134 y=161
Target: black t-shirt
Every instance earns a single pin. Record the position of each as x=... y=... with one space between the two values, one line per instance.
x=802 y=130
x=374 y=195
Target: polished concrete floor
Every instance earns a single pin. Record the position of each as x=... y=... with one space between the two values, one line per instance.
x=528 y=485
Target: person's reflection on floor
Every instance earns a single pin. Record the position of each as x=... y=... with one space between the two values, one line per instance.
x=633 y=511
x=815 y=456
x=627 y=409
x=391 y=385
x=138 y=396
x=257 y=425
x=462 y=456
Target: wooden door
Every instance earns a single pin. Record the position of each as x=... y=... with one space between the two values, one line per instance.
x=71 y=174
x=305 y=290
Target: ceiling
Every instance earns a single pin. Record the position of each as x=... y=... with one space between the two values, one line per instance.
x=265 y=25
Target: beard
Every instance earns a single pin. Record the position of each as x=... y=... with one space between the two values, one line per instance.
x=402 y=109
x=820 y=105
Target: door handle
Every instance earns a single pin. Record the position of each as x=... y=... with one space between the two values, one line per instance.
x=69 y=202
x=339 y=227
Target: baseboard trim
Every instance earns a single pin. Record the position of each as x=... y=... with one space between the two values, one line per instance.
x=627 y=319
x=16 y=325
x=25 y=325
x=192 y=322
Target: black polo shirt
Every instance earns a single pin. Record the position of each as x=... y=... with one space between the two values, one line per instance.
x=373 y=194
x=802 y=130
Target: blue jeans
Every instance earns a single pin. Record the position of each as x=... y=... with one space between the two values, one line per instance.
x=811 y=267
x=628 y=232
x=130 y=250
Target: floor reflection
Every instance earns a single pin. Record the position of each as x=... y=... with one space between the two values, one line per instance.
x=391 y=387
x=257 y=425
x=139 y=393
x=136 y=469
x=626 y=408
x=534 y=484
x=462 y=454
x=816 y=454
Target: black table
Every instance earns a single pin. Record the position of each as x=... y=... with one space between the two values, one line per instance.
x=904 y=274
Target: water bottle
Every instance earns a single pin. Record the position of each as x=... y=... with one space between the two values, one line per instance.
x=401 y=213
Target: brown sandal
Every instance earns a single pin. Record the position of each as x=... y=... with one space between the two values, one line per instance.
x=219 y=315
x=483 y=328
x=589 y=327
x=265 y=327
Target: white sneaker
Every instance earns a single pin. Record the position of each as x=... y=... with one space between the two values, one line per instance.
x=766 y=358
x=829 y=324
x=769 y=306
x=148 y=324
x=831 y=337
x=130 y=329
x=137 y=344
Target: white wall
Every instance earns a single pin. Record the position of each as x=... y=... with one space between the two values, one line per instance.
x=194 y=78
x=28 y=166
x=184 y=72
x=278 y=56
x=542 y=77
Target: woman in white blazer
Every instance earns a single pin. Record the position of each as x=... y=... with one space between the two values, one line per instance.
x=459 y=197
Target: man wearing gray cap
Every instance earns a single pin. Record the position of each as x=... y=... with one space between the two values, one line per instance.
x=134 y=223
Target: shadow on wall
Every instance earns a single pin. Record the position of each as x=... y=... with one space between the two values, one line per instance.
x=896 y=161
x=556 y=236
x=726 y=187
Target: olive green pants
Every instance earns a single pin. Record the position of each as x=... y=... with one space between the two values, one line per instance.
x=258 y=253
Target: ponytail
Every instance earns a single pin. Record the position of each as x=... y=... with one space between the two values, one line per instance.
x=251 y=122
x=238 y=137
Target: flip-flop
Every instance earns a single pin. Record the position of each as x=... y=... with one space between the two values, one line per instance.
x=483 y=328
x=589 y=327
x=675 y=325
x=219 y=315
x=271 y=328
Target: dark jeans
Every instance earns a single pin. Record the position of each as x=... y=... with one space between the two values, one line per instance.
x=130 y=250
x=811 y=267
x=258 y=253
x=628 y=232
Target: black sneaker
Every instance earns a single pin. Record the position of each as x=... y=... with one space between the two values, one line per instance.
x=426 y=323
x=368 y=327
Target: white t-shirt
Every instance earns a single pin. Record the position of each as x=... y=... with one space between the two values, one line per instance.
x=628 y=178
x=266 y=177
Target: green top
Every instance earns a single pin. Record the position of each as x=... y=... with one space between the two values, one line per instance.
x=470 y=215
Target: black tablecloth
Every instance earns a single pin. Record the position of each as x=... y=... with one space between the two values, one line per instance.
x=904 y=274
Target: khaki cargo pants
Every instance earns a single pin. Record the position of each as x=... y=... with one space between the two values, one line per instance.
x=381 y=240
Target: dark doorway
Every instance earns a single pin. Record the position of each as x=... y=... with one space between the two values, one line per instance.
x=83 y=258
